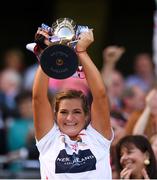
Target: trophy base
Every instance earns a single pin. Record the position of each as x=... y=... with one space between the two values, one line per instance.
x=59 y=61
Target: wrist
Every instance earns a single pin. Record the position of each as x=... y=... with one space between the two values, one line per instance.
x=80 y=51
x=147 y=110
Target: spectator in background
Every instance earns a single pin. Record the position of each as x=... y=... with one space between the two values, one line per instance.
x=10 y=86
x=132 y=100
x=20 y=131
x=113 y=78
x=14 y=59
x=13 y=65
x=135 y=158
x=144 y=72
x=23 y=124
x=146 y=122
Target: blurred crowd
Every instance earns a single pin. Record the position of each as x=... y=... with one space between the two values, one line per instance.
x=133 y=104
x=133 y=101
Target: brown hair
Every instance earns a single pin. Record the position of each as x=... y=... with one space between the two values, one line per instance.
x=71 y=94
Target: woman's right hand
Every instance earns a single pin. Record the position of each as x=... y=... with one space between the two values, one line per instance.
x=125 y=173
x=42 y=39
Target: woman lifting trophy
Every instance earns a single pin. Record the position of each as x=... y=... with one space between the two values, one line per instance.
x=73 y=137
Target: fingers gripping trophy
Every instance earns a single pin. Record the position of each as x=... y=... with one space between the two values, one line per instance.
x=59 y=60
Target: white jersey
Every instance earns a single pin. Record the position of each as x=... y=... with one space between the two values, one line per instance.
x=63 y=159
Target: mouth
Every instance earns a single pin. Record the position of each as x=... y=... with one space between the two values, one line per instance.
x=70 y=124
x=127 y=164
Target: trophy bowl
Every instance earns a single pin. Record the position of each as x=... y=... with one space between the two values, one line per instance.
x=59 y=60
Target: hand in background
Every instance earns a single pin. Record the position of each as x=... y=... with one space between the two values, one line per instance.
x=112 y=54
x=125 y=173
x=150 y=97
x=144 y=173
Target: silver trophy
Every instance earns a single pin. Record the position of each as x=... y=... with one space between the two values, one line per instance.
x=59 y=59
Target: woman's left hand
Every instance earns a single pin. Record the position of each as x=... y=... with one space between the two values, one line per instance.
x=85 y=39
x=144 y=173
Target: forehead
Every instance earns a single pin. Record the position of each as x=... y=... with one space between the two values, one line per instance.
x=128 y=146
x=132 y=150
x=71 y=103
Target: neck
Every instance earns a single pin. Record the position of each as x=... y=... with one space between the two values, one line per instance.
x=76 y=138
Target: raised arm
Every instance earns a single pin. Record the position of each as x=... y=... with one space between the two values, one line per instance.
x=141 y=123
x=42 y=108
x=100 y=112
x=111 y=55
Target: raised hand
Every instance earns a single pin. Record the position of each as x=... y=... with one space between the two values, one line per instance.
x=112 y=54
x=85 y=39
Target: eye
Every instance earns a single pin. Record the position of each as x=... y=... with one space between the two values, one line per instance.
x=130 y=151
x=63 y=112
x=77 y=112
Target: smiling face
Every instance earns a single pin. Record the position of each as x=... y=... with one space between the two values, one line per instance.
x=71 y=118
x=133 y=158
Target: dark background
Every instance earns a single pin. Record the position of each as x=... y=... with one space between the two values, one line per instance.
x=115 y=22
x=130 y=25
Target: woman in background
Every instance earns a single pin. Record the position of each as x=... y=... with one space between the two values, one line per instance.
x=135 y=158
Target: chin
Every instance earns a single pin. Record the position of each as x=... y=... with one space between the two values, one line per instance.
x=70 y=133
x=73 y=135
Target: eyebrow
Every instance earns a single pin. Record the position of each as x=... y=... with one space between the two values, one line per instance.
x=72 y=109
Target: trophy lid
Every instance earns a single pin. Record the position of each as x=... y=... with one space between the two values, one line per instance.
x=64 y=28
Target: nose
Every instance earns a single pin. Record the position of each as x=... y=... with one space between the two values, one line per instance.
x=70 y=117
x=123 y=157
